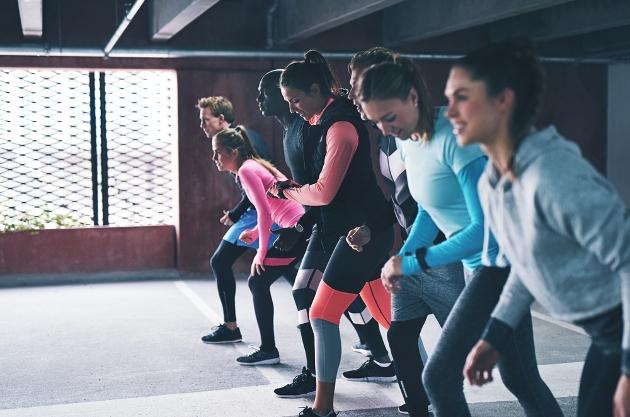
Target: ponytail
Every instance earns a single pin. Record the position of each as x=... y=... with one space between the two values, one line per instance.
x=313 y=69
x=238 y=139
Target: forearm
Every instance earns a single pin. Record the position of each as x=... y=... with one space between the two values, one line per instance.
x=240 y=209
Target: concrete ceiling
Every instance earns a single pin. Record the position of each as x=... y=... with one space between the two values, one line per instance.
x=576 y=29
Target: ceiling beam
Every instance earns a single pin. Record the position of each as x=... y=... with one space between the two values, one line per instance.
x=299 y=19
x=31 y=18
x=168 y=17
x=581 y=16
x=414 y=20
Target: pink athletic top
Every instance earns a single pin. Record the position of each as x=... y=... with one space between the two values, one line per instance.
x=342 y=141
x=256 y=180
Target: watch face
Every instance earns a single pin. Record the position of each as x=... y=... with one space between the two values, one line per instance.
x=299 y=227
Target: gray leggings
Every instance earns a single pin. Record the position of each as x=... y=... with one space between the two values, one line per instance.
x=442 y=376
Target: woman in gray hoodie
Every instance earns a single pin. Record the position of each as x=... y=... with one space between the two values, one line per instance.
x=559 y=223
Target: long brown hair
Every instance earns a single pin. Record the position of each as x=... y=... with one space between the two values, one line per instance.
x=395 y=79
x=238 y=139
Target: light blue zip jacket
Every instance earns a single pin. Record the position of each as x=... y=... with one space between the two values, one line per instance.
x=563 y=229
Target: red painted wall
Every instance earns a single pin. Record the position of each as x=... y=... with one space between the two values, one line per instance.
x=93 y=249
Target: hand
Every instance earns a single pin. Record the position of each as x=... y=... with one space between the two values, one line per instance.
x=257 y=269
x=246 y=237
x=358 y=237
x=621 y=399
x=288 y=237
x=479 y=364
x=226 y=219
x=274 y=192
x=392 y=273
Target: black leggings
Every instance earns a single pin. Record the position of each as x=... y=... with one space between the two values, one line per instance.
x=403 y=341
x=222 y=261
x=309 y=276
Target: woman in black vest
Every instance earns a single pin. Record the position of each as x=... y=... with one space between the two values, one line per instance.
x=342 y=189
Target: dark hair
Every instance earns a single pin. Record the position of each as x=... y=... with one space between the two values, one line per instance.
x=512 y=64
x=395 y=79
x=373 y=56
x=238 y=138
x=313 y=69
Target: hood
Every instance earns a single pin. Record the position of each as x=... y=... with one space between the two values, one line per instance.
x=536 y=144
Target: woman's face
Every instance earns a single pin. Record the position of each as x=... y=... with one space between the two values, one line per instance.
x=306 y=105
x=476 y=117
x=394 y=116
x=224 y=159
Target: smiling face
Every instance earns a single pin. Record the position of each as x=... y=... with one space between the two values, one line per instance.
x=352 y=94
x=306 y=105
x=476 y=117
x=211 y=124
x=395 y=117
x=270 y=100
x=224 y=159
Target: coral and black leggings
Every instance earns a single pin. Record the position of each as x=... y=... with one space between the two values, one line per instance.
x=308 y=280
x=348 y=274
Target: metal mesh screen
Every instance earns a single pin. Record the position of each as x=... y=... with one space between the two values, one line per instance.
x=46 y=149
x=45 y=143
x=139 y=136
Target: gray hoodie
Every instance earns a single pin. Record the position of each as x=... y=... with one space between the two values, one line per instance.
x=564 y=230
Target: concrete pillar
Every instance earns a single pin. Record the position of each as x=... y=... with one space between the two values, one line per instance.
x=618 y=152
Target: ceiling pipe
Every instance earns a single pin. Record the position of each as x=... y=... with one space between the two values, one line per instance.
x=121 y=28
x=33 y=50
x=271 y=23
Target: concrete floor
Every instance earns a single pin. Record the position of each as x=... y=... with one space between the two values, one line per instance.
x=134 y=349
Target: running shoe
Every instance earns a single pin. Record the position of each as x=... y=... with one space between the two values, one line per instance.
x=361 y=348
x=259 y=357
x=303 y=385
x=402 y=409
x=308 y=412
x=221 y=334
x=371 y=371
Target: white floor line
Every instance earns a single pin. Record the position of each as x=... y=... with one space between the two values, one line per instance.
x=273 y=376
x=558 y=323
x=562 y=379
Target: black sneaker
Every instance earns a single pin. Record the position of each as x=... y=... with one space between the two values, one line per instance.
x=402 y=409
x=221 y=334
x=303 y=385
x=259 y=357
x=308 y=412
x=361 y=348
x=370 y=371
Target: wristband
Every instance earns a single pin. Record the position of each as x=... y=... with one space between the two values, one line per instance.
x=420 y=254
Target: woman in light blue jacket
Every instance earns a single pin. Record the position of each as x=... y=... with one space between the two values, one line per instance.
x=560 y=224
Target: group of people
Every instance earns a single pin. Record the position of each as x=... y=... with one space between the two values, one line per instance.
x=494 y=214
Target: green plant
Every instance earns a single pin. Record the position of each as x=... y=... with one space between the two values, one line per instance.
x=12 y=220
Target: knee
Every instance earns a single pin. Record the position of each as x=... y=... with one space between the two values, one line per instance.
x=430 y=375
x=256 y=285
x=215 y=261
x=397 y=336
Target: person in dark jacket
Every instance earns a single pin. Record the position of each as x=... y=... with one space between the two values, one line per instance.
x=341 y=189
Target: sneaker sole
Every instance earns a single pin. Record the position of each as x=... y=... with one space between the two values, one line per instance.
x=265 y=362
x=306 y=394
x=363 y=352
x=225 y=341
x=372 y=379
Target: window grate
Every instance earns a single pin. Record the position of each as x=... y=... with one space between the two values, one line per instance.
x=50 y=160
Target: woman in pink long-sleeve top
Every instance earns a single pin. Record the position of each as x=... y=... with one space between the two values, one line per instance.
x=234 y=152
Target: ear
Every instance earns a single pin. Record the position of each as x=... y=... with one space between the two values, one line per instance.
x=315 y=90
x=413 y=97
x=506 y=100
x=221 y=118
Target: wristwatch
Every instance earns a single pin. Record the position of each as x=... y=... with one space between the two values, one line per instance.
x=298 y=227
